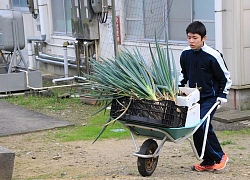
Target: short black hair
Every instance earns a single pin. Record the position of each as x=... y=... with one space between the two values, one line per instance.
x=197 y=27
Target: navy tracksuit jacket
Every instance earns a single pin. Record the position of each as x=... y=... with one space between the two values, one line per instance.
x=206 y=70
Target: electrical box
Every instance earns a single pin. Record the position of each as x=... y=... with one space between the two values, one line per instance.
x=96 y=5
x=84 y=20
x=9 y=20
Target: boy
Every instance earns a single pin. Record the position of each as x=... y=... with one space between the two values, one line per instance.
x=204 y=68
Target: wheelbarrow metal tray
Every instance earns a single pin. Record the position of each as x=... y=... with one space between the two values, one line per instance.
x=148 y=130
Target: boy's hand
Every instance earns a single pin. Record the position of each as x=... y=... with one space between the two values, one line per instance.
x=222 y=100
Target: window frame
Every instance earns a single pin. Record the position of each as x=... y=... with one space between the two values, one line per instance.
x=67 y=30
x=166 y=25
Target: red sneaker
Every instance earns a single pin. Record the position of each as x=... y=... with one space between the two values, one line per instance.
x=222 y=164
x=200 y=167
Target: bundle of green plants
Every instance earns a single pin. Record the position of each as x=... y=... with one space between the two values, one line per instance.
x=128 y=74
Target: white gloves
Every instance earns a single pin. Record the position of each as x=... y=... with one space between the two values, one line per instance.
x=222 y=101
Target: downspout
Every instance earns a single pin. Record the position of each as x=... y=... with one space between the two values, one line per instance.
x=218 y=25
x=77 y=52
x=86 y=53
x=42 y=16
x=96 y=51
x=65 y=58
x=114 y=27
x=219 y=34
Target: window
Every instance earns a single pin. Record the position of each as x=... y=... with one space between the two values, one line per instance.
x=20 y=5
x=145 y=17
x=204 y=12
x=61 y=12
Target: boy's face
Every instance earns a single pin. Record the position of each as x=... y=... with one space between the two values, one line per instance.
x=195 y=41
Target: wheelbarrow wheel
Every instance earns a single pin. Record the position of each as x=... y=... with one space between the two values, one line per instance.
x=146 y=166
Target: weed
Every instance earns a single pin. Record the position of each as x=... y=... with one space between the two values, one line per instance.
x=242 y=148
x=227 y=142
x=245 y=131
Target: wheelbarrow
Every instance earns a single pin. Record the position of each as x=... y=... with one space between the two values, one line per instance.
x=149 y=151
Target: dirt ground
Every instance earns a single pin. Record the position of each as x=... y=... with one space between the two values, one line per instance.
x=38 y=156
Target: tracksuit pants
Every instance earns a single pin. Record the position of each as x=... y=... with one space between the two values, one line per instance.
x=213 y=151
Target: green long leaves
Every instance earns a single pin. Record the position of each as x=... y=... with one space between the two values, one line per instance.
x=129 y=75
x=164 y=72
x=126 y=74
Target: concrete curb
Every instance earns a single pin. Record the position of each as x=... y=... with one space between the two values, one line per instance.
x=6 y=163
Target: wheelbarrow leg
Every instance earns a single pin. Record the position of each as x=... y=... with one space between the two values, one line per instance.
x=133 y=138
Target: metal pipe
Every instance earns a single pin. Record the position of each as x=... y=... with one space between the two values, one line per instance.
x=114 y=27
x=218 y=25
x=13 y=61
x=66 y=68
x=68 y=79
x=87 y=55
x=43 y=15
x=61 y=64
x=133 y=138
x=30 y=56
x=77 y=52
x=54 y=58
x=55 y=80
x=35 y=38
x=62 y=79
x=96 y=50
x=42 y=88
x=56 y=62
x=86 y=49
x=13 y=58
x=234 y=99
x=65 y=57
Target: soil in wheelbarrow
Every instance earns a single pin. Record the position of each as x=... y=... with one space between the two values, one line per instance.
x=40 y=157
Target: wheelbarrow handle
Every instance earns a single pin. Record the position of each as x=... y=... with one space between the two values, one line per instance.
x=219 y=101
x=207 y=116
x=211 y=110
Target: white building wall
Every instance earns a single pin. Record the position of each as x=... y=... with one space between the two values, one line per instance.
x=236 y=43
x=246 y=39
x=4 y=4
